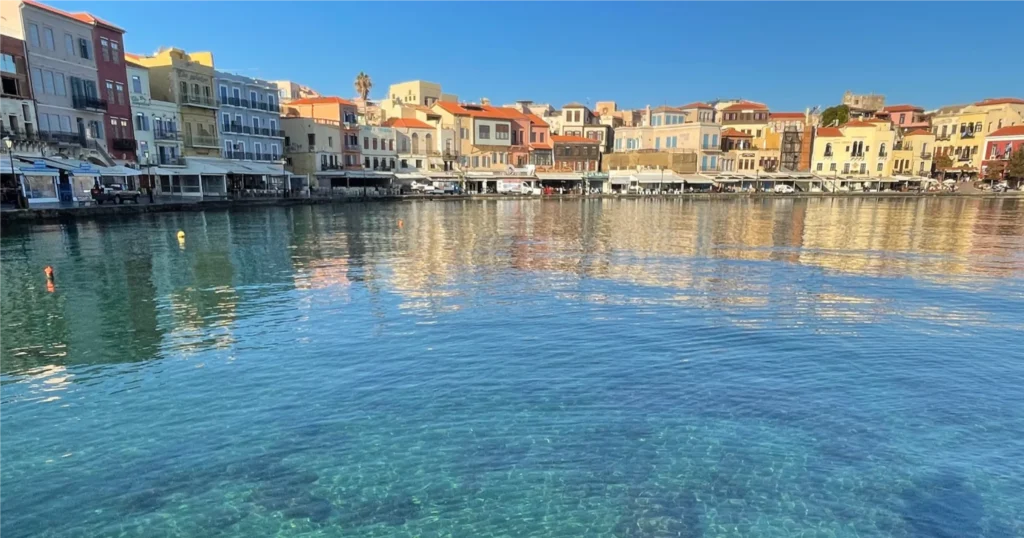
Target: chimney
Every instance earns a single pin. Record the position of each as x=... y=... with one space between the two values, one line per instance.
x=485 y=101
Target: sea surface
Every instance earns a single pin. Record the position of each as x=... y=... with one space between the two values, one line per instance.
x=826 y=367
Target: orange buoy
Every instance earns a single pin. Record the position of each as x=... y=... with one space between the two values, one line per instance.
x=50 y=287
x=49 y=272
x=401 y=223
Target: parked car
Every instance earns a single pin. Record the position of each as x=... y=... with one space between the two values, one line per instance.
x=114 y=193
x=784 y=189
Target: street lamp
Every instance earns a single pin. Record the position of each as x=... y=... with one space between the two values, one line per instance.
x=145 y=157
x=8 y=145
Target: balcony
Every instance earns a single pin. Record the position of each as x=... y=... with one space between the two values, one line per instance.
x=828 y=153
x=85 y=102
x=234 y=101
x=167 y=160
x=196 y=100
x=966 y=157
x=167 y=135
x=709 y=147
x=266 y=157
x=352 y=147
x=238 y=155
x=926 y=155
x=125 y=144
x=967 y=134
x=943 y=138
x=264 y=105
x=882 y=154
x=18 y=134
x=327 y=166
x=204 y=140
x=58 y=137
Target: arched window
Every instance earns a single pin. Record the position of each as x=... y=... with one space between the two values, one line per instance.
x=881 y=150
x=376 y=163
x=184 y=89
x=828 y=150
x=429 y=142
x=415 y=143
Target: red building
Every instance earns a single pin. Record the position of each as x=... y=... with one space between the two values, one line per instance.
x=108 y=41
x=1000 y=146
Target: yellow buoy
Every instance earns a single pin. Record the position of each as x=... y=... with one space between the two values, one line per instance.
x=181 y=234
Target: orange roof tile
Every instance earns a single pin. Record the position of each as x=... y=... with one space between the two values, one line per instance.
x=509 y=113
x=541 y=145
x=697 y=104
x=535 y=119
x=90 y=19
x=132 y=56
x=667 y=109
x=476 y=111
x=573 y=139
x=407 y=123
x=902 y=108
x=321 y=101
x=829 y=132
x=573 y=105
x=919 y=132
x=745 y=105
x=734 y=133
x=51 y=9
x=1013 y=130
x=1000 y=101
x=786 y=115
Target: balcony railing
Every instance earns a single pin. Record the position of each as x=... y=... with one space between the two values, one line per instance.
x=926 y=155
x=965 y=157
x=197 y=100
x=967 y=134
x=709 y=147
x=266 y=131
x=167 y=135
x=352 y=146
x=172 y=161
x=828 y=153
x=328 y=166
x=882 y=154
x=85 y=102
x=125 y=144
x=18 y=134
x=204 y=140
x=944 y=137
x=238 y=155
x=234 y=101
x=58 y=137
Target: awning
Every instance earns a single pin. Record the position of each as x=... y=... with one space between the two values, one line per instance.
x=74 y=167
x=331 y=173
x=661 y=176
x=119 y=171
x=196 y=168
x=260 y=169
x=37 y=168
x=697 y=180
x=555 y=176
x=410 y=176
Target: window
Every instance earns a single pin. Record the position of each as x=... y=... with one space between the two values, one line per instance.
x=828 y=150
x=33 y=35
x=48 y=83
x=275 y=152
x=252 y=98
x=48 y=38
x=136 y=84
x=85 y=51
x=115 y=52
x=704 y=162
x=273 y=128
x=832 y=167
x=110 y=91
x=846 y=168
x=58 y=84
x=714 y=162
x=366 y=142
x=366 y=162
x=139 y=118
x=880 y=165
x=69 y=45
x=863 y=168
x=484 y=132
x=501 y=132
x=533 y=136
x=374 y=143
x=657 y=143
x=819 y=167
x=881 y=150
x=255 y=125
x=714 y=140
x=311 y=139
x=105 y=49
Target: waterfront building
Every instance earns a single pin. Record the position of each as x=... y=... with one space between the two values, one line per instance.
x=378 y=148
x=156 y=123
x=423 y=146
x=63 y=74
x=17 y=109
x=960 y=131
x=795 y=134
x=856 y=150
x=188 y=80
x=1000 y=145
x=541 y=148
x=905 y=118
x=292 y=91
x=610 y=114
x=483 y=135
x=404 y=97
x=912 y=153
x=108 y=42
x=576 y=153
x=578 y=120
x=249 y=116
x=342 y=111
x=313 y=148
x=669 y=130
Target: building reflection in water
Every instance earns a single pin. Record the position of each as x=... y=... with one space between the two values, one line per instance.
x=126 y=292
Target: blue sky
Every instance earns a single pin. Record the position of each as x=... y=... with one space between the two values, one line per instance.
x=788 y=55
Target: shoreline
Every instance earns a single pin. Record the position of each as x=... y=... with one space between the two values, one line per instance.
x=49 y=214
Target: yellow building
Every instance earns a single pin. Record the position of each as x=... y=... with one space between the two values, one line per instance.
x=406 y=97
x=750 y=142
x=960 y=131
x=187 y=79
x=672 y=129
x=912 y=155
x=856 y=151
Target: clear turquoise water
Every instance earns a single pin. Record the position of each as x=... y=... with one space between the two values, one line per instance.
x=824 y=367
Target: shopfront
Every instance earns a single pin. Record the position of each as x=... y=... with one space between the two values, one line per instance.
x=36 y=181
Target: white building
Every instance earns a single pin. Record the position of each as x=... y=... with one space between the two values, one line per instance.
x=157 y=123
x=378 y=147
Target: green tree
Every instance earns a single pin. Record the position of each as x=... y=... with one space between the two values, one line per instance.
x=363 y=85
x=834 y=116
x=943 y=162
x=1015 y=166
x=995 y=170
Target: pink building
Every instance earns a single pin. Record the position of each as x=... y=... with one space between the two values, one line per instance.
x=905 y=117
x=1000 y=146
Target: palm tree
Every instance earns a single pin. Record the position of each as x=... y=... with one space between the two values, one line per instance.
x=363 y=85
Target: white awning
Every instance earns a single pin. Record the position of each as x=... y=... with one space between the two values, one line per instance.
x=560 y=176
x=261 y=169
x=331 y=173
x=697 y=180
x=26 y=168
x=410 y=176
x=196 y=167
x=658 y=176
x=119 y=171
